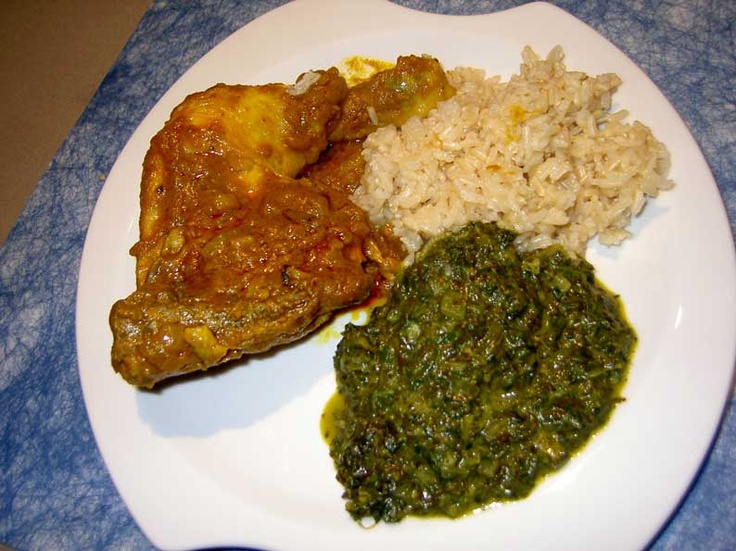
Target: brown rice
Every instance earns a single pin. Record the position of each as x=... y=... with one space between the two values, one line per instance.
x=541 y=154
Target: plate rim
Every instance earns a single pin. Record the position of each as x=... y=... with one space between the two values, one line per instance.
x=150 y=123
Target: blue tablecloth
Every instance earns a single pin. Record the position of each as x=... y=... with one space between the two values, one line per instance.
x=55 y=492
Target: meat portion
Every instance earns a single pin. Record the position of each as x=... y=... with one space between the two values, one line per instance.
x=290 y=257
x=218 y=148
x=241 y=247
x=412 y=87
x=235 y=255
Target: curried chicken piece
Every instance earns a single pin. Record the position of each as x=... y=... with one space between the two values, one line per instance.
x=413 y=87
x=219 y=144
x=241 y=247
x=235 y=256
x=273 y=273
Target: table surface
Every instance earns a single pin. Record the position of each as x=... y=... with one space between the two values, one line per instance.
x=66 y=46
x=55 y=492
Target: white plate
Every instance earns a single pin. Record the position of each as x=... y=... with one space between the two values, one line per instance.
x=237 y=458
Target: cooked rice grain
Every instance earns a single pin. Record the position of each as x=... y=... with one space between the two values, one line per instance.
x=541 y=154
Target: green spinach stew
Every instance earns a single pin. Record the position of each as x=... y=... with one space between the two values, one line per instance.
x=483 y=371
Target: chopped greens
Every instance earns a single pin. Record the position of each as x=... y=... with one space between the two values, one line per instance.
x=485 y=370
